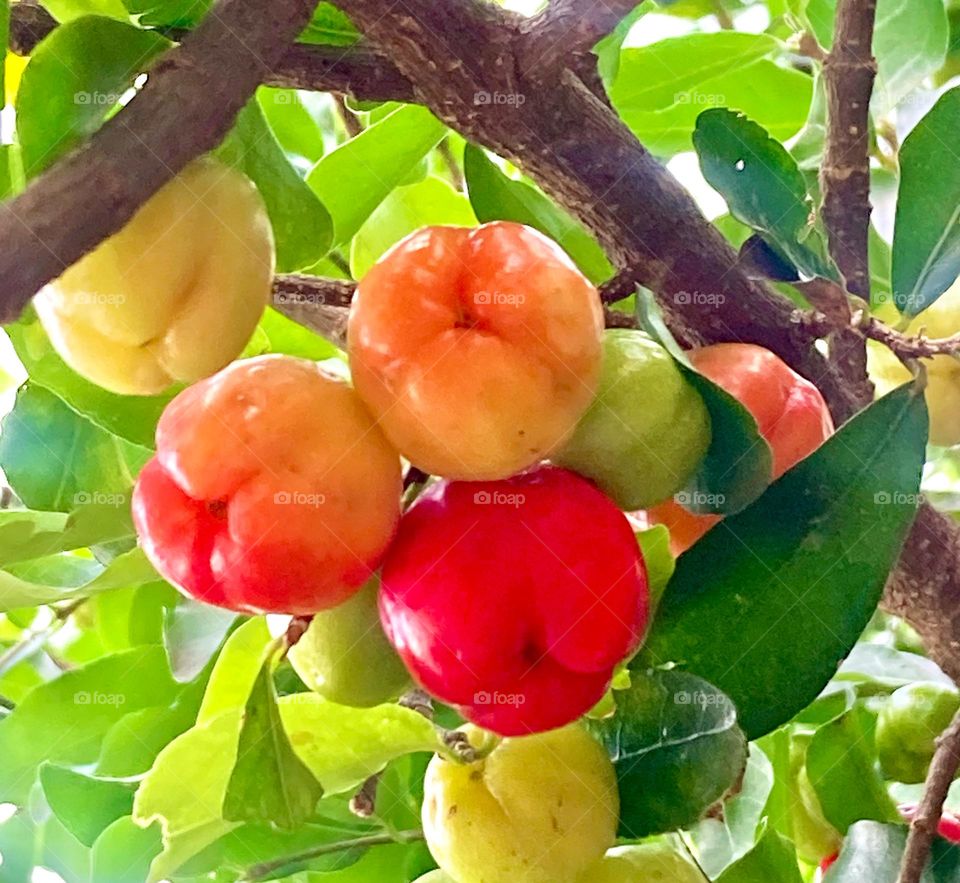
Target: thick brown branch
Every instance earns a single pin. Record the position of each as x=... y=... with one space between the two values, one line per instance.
x=848 y=74
x=923 y=826
x=186 y=107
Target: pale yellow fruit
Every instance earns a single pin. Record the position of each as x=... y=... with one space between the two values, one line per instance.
x=537 y=809
x=647 y=863
x=176 y=294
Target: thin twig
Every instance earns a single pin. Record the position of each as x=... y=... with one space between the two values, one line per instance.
x=264 y=870
x=32 y=641
x=364 y=802
x=923 y=827
x=351 y=123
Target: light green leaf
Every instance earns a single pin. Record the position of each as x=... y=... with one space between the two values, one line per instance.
x=67 y=10
x=123 y=852
x=73 y=82
x=355 y=178
x=430 y=201
x=302 y=228
x=773 y=858
x=236 y=670
x=64 y=720
x=343 y=746
x=495 y=197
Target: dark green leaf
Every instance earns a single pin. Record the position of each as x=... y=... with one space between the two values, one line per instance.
x=269 y=782
x=926 y=238
x=676 y=749
x=55 y=459
x=738 y=464
x=85 y=805
x=873 y=852
x=64 y=720
x=841 y=764
x=769 y=602
x=302 y=227
x=762 y=185
x=773 y=858
x=75 y=79
x=356 y=177
x=496 y=197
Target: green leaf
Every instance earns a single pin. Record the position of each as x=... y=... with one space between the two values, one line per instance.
x=74 y=80
x=354 y=179
x=430 y=201
x=192 y=633
x=795 y=578
x=236 y=670
x=55 y=459
x=910 y=43
x=318 y=731
x=673 y=70
x=330 y=26
x=64 y=720
x=926 y=237
x=302 y=228
x=872 y=851
x=609 y=49
x=841 y=764
x=133 y=418
x=269 y=782
x=777 y=98
x=676 y=749
x=294 y=127
x=67 y=10
x=26 y=534
x=85 y=805
x=62 y=578
x=773 y=858
x=723 y=840
x=123 y=852
x=5 y=178
x=738 y=463
x=496 y=197
x=762 y=185
x=660 y=563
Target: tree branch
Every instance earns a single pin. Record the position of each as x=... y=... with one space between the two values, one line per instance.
x=186 y=107
x=848 y=74
x=923 y=826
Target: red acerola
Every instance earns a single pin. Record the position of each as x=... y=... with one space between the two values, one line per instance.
x=272 y=489
x=514 y=600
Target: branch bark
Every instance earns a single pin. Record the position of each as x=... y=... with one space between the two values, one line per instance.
x=188 y=104
x=923 y=826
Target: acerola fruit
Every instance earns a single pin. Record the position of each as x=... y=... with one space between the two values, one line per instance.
x=345 y=656
x=942 y=319
x=538 y=809
x=643 y=402
x=827 y=863
x=790 y=413
x=272 y=490
x=514 y=600
x=176 y=294
x=649 y=862
x=476 y=349
x=908 y=726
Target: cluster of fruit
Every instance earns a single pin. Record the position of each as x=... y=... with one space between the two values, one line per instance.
x=514 y=584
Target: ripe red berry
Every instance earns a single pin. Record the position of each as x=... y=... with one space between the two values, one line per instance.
x=514 y=600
